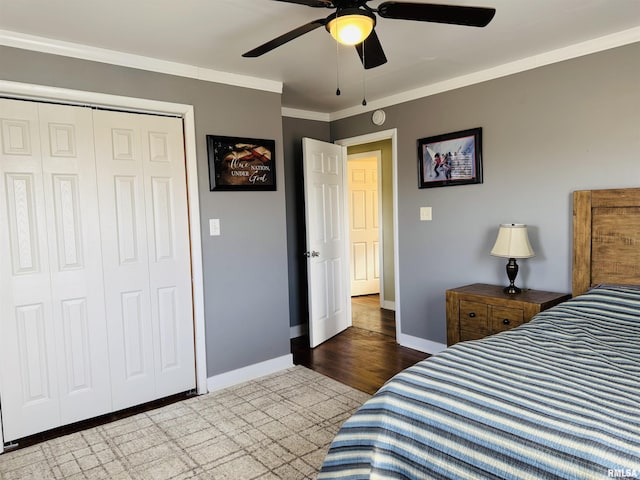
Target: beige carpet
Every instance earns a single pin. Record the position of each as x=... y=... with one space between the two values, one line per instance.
x=275 y=427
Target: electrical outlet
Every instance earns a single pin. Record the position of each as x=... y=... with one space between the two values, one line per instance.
x=425 y=214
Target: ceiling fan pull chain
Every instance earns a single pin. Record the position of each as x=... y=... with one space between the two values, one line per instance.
x=337 y=68
x=364 y=83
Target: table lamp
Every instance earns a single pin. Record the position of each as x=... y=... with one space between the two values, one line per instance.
x=512 y=243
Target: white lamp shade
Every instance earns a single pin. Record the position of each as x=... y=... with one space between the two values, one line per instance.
x=512 y=242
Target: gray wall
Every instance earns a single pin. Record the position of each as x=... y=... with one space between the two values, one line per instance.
x=546 y=132
x=245 y=269
x=294 y=129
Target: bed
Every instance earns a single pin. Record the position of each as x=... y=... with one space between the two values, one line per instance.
x=558 y=397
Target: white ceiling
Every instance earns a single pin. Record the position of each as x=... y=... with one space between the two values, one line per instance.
x=213 y=34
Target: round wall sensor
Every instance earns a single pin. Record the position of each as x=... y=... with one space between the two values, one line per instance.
x=378 y=117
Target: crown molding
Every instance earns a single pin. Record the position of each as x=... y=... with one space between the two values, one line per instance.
x=305 y=114
x=113 y=57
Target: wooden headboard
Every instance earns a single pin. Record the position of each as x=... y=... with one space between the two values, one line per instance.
x=606 y=238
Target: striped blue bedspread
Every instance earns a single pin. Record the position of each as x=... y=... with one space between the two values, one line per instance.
x=558 y=397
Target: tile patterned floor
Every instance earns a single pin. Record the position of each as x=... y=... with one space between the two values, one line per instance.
x=276 y=427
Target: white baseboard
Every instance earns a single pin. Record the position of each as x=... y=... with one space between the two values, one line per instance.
x=421 y=344
x=250 y=372
x=389 y=305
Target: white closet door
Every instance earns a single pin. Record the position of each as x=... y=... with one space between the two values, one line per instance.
x=68 y=159
x=95 y=280
x=143 y=214
x=29 y=392
x=170 y=256
x=52 y=357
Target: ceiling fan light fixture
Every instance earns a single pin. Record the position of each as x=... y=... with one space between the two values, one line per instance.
x=351 y=26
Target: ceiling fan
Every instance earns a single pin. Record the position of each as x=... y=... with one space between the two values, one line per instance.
x=356 y=17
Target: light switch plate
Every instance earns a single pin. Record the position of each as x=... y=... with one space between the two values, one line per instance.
x=425 y=214
x=214 y=227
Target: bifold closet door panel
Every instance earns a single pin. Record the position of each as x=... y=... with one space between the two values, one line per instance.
x=29 y=388
x=68 y=159
x=143 y=214
x=53 y=366
x=170 y=256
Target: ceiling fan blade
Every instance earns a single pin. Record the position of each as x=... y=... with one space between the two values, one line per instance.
x=311 y=3
x=430 y=12
x=372 y=55
x=287 y=37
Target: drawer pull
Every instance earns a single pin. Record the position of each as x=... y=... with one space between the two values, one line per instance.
x=472 y=315
x=506 y=321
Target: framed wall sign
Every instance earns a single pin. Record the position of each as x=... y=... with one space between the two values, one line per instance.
x=237 y=163
x=450 y=159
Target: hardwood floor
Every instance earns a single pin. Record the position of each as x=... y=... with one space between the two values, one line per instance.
x=365 y=355
x=367 y=314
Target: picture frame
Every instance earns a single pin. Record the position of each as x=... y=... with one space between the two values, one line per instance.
x=241 y=163
x=450 y=159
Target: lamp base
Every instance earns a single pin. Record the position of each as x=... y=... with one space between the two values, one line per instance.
x=511 y=290
x=512 y=272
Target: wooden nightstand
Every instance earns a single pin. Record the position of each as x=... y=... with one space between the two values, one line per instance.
x=478 y=310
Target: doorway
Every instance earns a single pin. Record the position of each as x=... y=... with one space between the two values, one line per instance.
x=326 y=197
x=373 y=311
x=362 y=358
x=366 y=245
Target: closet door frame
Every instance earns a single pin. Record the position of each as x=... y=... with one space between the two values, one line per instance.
x=27 y=91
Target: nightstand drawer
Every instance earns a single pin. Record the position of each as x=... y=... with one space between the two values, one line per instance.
x=502 y=318
x=473 y=315
x=473 y=320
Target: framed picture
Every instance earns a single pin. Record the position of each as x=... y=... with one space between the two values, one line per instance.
x=237 y=163
x=450 y=159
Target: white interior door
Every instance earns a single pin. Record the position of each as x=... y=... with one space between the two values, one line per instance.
x=143 y=221
x=364 y=228
x=52 y=325
x=326 y=254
